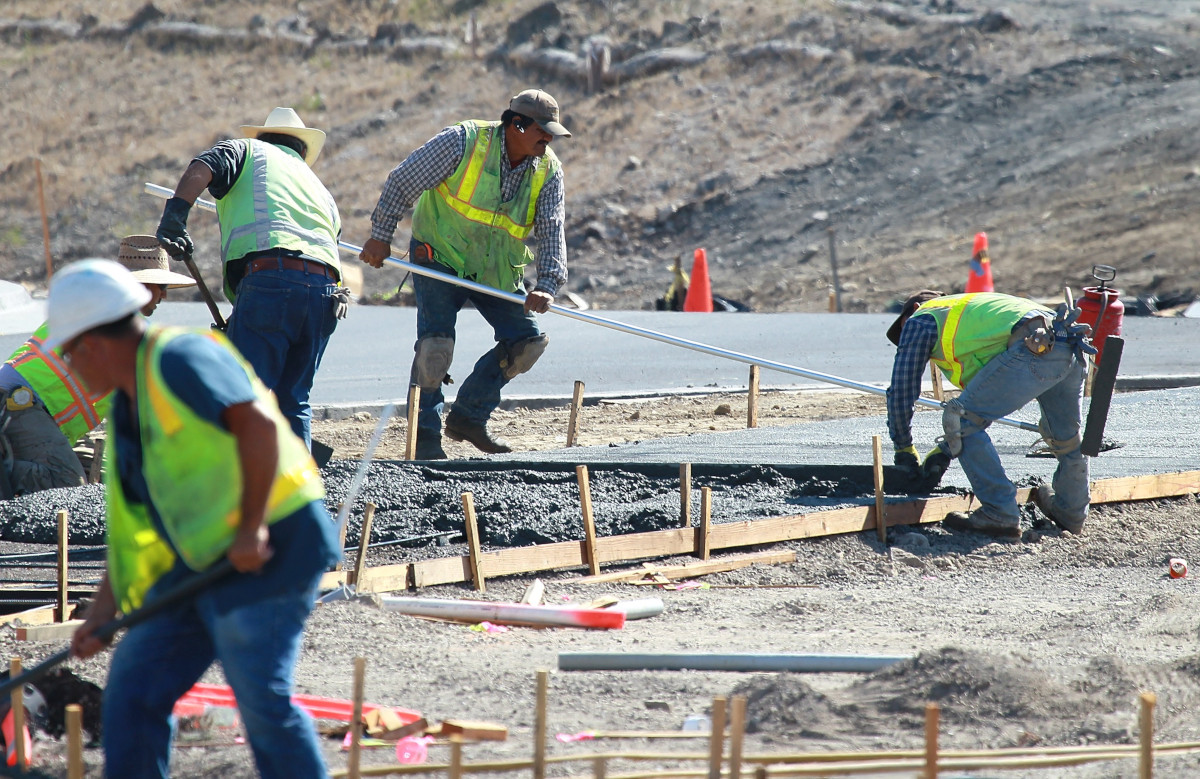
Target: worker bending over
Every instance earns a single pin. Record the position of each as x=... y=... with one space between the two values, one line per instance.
x=201 y=465
x=1003 y=351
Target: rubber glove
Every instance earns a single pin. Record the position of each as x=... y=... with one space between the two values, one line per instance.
x=172 y=231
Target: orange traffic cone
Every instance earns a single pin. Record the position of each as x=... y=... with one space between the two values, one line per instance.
x=8 y=730
x=979 y=274
x=699 y=294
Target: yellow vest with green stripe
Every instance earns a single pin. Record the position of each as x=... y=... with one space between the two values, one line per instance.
x=972 y=329
x=194 y=477
x=470 y=229
x=76 y=410
x=277 y=202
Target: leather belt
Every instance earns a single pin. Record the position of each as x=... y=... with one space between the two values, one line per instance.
x=283 y=262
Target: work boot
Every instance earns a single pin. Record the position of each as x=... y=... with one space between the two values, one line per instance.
x=1043 y=496
x=429 y=446
x=979 y=521
x=459 y=428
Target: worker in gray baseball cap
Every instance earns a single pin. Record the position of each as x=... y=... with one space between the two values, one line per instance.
x=481 y=189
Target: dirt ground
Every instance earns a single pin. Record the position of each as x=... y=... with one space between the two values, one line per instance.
x=1045 y=642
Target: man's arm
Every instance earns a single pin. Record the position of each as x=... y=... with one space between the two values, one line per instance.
x=215 y=169
x=258 y=455
x=102 y=609
x=917 y=340
x=549 y=217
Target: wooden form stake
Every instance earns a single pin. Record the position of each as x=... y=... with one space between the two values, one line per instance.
x=685 y=494
x=539 y=726
x=456 y=767
x=74 y=741
x=703 y=539
x=410 y=436
x=716 y=743
x=737 y=732
x=880 y=496
x=935 y=376
x=1146 y=736
x=63 y=613
x=589 y=524
x=18 y=714
x=37 y=167
x=472 y=532
x=752 y=399
x=932 y=715
x=833 y=264
x=600 y=768
x=356 y=724
x=576 y=406
x=360 y=562
x=96 y=471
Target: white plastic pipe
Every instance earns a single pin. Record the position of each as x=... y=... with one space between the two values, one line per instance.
x=505 y=613
x=641 y=608
x=624 y=661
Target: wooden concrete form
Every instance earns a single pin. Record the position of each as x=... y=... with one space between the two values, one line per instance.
x=704 y=532
x=410 y=433
x=728 y=535
x=589 y=523
x=63 y=612
x=737 y=733
x=75 y=768
x=1146 y=736
x=692 y=569
x=716 y=741
x=57 y=632
x=752 y=398
x=576 y=408
x=356 y=720
x=18 y=714
x=38 y=615
x=472 y=531
x=539 y=725
x=685 y=494
x=364 y=542
x=932 y=719
x=880 y=495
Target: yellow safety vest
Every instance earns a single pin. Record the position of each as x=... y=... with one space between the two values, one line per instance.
x=76 y=410
x=972 y=329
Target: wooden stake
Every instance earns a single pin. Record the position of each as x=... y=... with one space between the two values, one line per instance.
x=752 y=399
x=880 y=514
x=935 y=376
x=716 y=743
x=37 y=166
x=760 y=772
x=360 y=563
x=74 y=741
x=589 y=524
x=737 y=732
x=573 y=422
x=95 y=472
x=703 y=542
x=685 y=494
x=456 y=767
x=472 y=530
x=64 y=608
x=600 y=768
x=1146 y=736
x=932 y=715
x=356 y=724
x=533 y=593
x=18 y=714
x=539 y=726
x=833 y=263
x=410 y=436
x=341 y=565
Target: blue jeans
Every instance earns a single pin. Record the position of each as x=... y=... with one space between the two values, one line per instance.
x=438 y=304
x=281 y=324
x=1009 y=381
x=159 y=660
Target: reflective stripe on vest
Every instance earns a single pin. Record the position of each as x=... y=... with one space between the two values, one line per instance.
x=75 y=410
x=461 y=198
x=972 y=329
x=277 y=202
x=193 y=473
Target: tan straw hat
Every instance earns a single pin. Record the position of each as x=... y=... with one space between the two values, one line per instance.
x=285 y=121
x=149 y=262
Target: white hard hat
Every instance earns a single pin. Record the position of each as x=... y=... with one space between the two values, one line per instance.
x=90 y=293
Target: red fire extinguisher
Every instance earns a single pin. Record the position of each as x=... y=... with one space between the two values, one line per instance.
x=1102 y=308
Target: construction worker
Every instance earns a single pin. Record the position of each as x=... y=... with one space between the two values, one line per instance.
x=1003 y=351
x=201 y=465
x=481 y=188
x=47 y=409
x=279 y=233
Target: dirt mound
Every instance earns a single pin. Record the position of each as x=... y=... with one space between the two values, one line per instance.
x=785 y=705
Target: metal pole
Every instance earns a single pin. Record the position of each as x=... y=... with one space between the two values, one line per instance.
x=583 y=316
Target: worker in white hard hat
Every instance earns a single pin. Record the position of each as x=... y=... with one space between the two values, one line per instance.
x=201 y=465
x=47 y=410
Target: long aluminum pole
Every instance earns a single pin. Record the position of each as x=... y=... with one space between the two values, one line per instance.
x=612 y=324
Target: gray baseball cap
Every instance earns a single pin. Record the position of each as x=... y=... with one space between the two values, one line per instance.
x=541 y=108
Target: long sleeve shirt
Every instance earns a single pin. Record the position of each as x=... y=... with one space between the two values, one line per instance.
x=437 y=159
x=917 y=339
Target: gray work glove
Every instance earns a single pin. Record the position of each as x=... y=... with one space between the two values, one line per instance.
x=172 y=231
x=340 y=300
x=1076 y=334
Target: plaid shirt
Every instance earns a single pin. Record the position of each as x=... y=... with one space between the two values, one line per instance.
x=434 y=162
x=917 y=339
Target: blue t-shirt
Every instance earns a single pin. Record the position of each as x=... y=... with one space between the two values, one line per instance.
x=208 y=379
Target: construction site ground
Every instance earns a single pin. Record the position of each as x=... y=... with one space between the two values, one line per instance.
x=1047 y=641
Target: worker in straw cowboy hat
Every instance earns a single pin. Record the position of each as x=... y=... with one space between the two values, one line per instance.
x=48 y=409
x=279 y=234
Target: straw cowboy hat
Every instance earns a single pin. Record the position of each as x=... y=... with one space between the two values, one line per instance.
x=285 y=121
x=149 y=262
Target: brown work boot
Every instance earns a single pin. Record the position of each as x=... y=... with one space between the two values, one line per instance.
x=979 y=521
x=1043 y=496
x=459 y=428
x=429 y=446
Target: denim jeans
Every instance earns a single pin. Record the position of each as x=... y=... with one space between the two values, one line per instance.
x=438 y=304
x=281 y=324
x=159 y=660
x=1009 y=381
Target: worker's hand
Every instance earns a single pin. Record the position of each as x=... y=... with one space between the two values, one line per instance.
x=172 y=231
x=538 y=302
x=250 y=550
x=84 y=642
x=908 y=461
x=374 y=252
x=935 y=465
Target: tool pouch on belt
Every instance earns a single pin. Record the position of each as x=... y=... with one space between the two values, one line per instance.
x=422 y=254
x=1036 y=333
